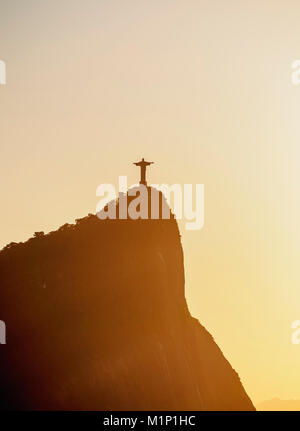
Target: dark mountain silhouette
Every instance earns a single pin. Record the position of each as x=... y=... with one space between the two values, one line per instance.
x=96 y=318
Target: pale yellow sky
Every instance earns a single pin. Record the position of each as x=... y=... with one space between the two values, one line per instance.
x=203 y=89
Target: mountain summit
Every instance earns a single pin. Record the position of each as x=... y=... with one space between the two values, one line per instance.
x=97 y=319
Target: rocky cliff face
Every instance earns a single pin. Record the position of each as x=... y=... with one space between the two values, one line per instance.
x=97 y=319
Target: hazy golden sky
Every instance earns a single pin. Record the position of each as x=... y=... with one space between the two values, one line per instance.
x=203 y=89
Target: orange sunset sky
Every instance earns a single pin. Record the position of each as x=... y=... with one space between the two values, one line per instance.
x=203 y=89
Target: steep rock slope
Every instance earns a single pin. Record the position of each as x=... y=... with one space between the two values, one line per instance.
x=97 y=319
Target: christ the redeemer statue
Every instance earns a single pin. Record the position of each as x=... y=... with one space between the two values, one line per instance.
x=143 y=164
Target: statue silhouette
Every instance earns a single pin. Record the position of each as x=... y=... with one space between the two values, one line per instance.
x=143 y=165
